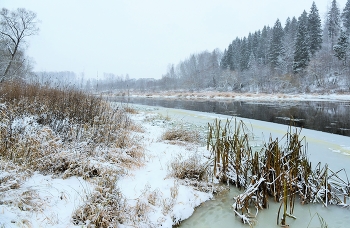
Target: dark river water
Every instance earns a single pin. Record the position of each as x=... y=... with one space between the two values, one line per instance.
x=332 y=117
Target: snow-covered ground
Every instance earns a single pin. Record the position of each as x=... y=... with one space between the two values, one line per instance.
x=47 y=201
x=36 y=200
x=246 y=96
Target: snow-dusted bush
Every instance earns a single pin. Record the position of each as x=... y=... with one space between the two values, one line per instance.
x=192 y=168
x=181 y=134
x=104 y=207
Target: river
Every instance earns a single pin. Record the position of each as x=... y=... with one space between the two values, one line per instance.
x=327 y=116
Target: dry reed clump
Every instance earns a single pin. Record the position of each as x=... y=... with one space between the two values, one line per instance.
x=192 y=168
x=130 y=110
x=279 y=172
x=12 y=176
x=157 y=119
x=181 y=134
x=104 y=207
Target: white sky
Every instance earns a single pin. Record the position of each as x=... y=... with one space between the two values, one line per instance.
x=141 y=37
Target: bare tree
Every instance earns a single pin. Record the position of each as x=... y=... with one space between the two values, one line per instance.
x=15 y=26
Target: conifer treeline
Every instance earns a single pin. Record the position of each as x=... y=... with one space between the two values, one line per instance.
x=301 y=56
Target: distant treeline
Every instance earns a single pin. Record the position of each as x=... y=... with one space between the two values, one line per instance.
x=301 y=56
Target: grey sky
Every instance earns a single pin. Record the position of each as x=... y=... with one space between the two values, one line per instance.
x=141 y=37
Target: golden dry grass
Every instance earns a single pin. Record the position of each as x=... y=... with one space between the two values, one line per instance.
x=181 y=134
x=190 y=168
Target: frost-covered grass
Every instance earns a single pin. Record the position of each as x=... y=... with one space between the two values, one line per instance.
x=65 y=133
x=59 y=131
x=179 y=133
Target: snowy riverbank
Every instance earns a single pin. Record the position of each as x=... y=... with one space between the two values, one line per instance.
x=47 y=201
x=210 y=95
x=35 y=200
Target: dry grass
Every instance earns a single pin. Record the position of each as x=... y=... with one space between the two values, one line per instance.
x=105 y=207
x=12 y=176
x=130 y=110
x=191 y=168
x=181 y=134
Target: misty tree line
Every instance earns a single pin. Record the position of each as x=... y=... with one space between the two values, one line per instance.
x=301 y=56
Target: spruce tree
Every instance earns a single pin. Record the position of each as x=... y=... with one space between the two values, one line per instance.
x=236 y=54
x=290 y=30
x=255 y=42
x=244 y=54
x=262 y=49
x=230 y=57
x=224 y=61
x=287 y=26
x=342 y=47
x=314 y=30
x=333 y=22
x=345 y=16
x=276 y=46
x=301 y=53
x=294 y=27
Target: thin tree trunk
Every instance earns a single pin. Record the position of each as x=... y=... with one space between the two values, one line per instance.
x=10 y=63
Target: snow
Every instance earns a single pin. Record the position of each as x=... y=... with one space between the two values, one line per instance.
x=52 y=201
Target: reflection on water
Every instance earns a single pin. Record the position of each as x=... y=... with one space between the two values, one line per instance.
x=332 y=117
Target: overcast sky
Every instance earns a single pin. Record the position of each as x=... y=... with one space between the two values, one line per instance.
x=141 y=37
